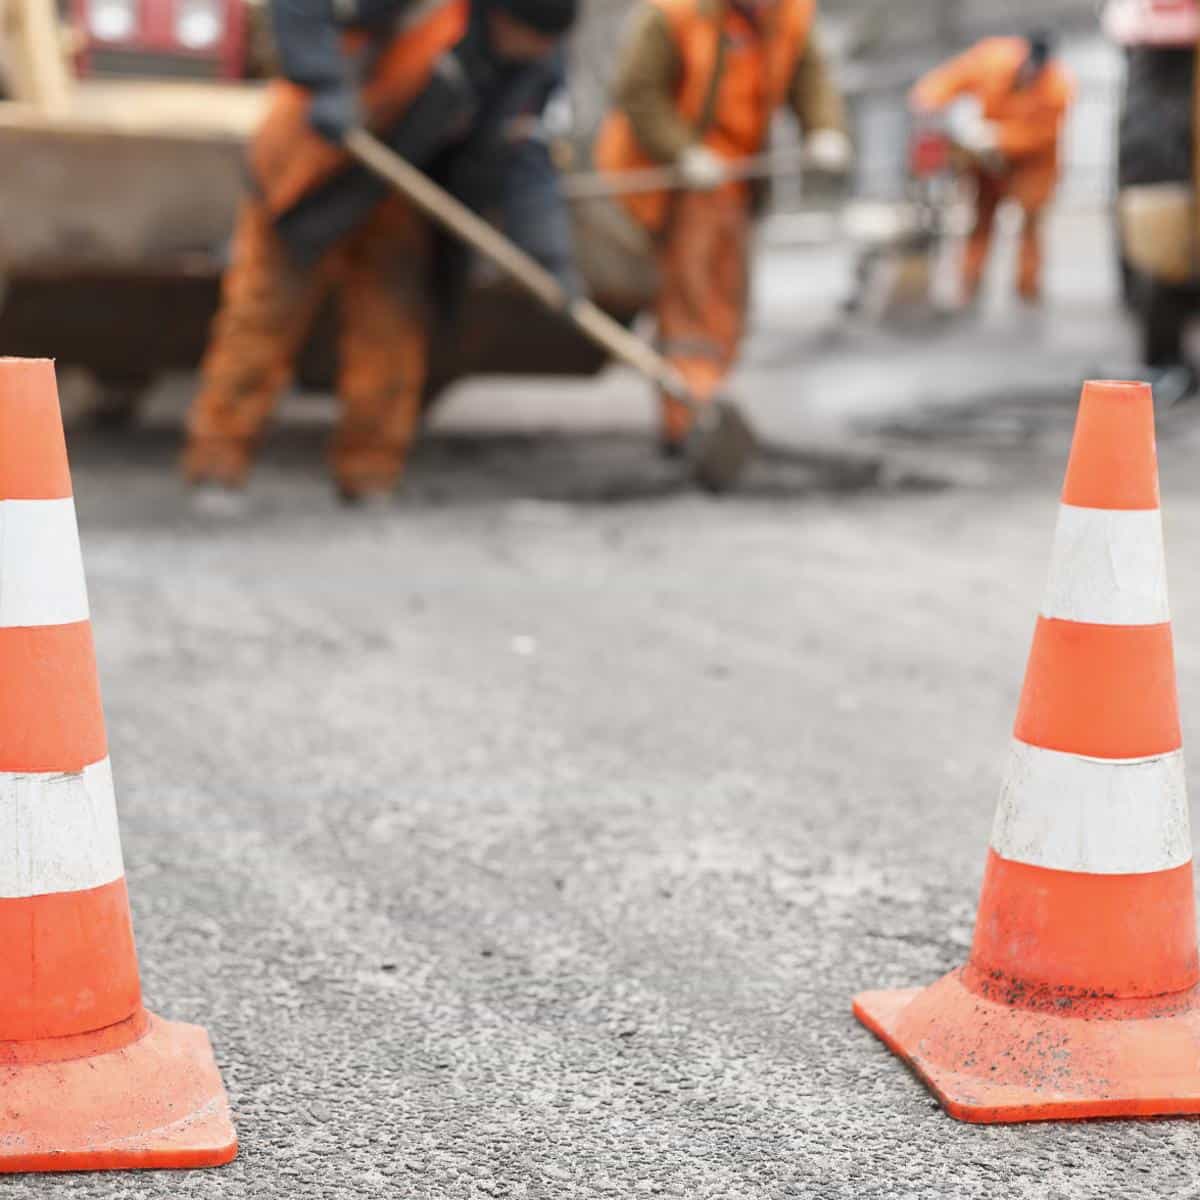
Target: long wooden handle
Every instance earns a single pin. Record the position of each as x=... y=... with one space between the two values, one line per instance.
x=525 y=270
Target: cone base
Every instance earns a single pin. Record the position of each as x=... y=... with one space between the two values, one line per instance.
x=156 y=1103
x=991 y=1063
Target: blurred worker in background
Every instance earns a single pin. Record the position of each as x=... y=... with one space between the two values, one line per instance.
x=696 y=88
x=1011 y=139
x=458 y=88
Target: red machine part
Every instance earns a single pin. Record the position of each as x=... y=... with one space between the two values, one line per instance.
x=194 y=39
x=928 y=153
x=1153 y=22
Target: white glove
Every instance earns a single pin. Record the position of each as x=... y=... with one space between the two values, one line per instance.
x=981 y=140
x=701 y=169
x=988 y=152
x=828 y=150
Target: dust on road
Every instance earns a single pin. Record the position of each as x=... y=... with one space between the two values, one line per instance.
x=518 y=842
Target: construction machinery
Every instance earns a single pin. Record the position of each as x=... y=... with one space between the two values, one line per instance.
x=114 y=224
x=1158 y=171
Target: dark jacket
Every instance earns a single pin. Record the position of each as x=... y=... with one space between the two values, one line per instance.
x=477 y=129
x=1156 y=129
x=309 y=37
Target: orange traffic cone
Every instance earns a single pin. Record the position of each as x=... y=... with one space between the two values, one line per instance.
x=88 y=1079
x=1079 y=998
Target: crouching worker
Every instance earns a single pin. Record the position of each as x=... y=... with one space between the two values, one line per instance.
x=1011 y=140
x=696 y=89
x=429 y=78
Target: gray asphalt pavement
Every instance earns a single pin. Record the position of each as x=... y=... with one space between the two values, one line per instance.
x=529 y=839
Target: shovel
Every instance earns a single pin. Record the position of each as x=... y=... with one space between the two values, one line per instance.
x=721 y=442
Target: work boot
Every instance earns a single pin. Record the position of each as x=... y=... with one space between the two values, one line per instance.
x=219 y=502
x=366 y=499
x=1173 y=385
x=1030 y=295
x=674 y=429
x=972 y=301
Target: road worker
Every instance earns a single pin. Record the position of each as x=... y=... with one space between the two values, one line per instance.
x=455 y=87
x=1011 y=138
x=696 y=88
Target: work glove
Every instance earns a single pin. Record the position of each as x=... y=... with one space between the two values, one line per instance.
x=828 y=150
x=700 y=169
x=980 y=139
x=335 y=112
x=986 y=149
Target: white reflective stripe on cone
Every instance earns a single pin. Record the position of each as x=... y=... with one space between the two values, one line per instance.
x=41 y=568
x=1108 y=567
x=58 y=833
x=1101 y=816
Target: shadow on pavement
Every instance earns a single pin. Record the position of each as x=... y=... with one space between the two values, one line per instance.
x=588 y=468
x=1005 y=419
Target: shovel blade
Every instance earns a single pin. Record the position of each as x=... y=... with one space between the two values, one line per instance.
x=721 y=446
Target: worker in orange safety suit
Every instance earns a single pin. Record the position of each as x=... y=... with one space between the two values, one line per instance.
x=428 y=77
x=1011 y=140
x=696 y=89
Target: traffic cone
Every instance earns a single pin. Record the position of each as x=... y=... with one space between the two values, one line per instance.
x=88 y=1079
x=1079 y=998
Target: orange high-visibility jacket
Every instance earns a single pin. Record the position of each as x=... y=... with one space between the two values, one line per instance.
x=288 y=158
x=756 y=70
x=1028 y=120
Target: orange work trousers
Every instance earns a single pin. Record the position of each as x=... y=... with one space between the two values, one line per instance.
x=990 y=192
x=268 y=304
x=703 y=262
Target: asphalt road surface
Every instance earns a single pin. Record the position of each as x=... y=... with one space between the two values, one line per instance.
x=530 y=838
